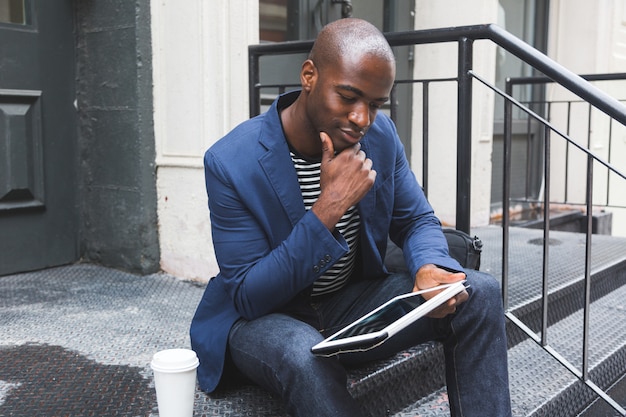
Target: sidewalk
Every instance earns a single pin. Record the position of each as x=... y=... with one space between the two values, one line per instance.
x=78 y=340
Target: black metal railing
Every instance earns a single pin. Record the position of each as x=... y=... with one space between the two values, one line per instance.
x=464 y=37
x=550 y=131
x=565 y=107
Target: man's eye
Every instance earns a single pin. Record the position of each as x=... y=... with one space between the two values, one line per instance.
x=347 y=99
x=375 y=106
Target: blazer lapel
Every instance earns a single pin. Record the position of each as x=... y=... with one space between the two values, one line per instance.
x=279 y=169
x=367 y=204
x=282 y=176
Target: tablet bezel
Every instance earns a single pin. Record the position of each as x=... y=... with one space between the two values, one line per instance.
x=363 y=342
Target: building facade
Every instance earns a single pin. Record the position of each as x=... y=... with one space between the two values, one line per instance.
x=127 y=96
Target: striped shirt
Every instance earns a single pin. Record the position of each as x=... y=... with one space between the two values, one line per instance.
x=349 y=224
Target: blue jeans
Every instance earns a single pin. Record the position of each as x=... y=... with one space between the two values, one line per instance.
x=274 y=350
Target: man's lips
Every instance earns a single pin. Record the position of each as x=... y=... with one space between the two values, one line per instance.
x=353 y=134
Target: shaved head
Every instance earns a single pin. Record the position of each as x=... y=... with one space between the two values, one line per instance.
x=346 y=79
x=349 y=39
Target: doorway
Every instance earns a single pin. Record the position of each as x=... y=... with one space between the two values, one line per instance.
x=38 y=214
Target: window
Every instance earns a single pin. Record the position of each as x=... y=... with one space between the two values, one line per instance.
x=12 y=11
x=273 y=20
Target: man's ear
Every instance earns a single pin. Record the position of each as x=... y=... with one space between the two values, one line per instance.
x=308 y=75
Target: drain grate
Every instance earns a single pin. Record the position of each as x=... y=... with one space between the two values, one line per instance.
x=539 y=242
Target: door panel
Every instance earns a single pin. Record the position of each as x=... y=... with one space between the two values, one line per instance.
x=38 y=215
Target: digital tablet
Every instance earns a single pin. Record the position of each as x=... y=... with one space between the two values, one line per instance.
x=380 y=324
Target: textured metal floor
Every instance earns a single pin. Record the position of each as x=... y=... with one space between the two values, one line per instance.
x=539 y=385
x=78 y=340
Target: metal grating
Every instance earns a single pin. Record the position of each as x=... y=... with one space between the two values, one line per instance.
x=78 y=340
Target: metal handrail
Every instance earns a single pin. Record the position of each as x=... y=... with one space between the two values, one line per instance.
x=511 y=83
x=495 y=33
x=582 y=374
x=464 y=37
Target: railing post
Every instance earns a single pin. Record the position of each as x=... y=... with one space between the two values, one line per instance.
x=254 y=94
x=506 y=191
x=546 y=235
x=587 y=295
x=425 y=136
x=464 y=136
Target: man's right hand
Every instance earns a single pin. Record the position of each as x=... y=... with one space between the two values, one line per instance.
x=345 y=178
x=430 y=276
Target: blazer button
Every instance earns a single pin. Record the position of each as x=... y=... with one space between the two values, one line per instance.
x=316 y=269
x=327 y=258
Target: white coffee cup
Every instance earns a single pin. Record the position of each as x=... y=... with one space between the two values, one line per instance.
x=175 y=381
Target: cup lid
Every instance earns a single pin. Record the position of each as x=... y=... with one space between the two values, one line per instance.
x=174 y=360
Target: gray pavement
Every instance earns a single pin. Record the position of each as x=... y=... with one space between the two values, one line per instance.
x=78 y=340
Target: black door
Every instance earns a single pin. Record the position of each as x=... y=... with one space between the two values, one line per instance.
x=38 y=215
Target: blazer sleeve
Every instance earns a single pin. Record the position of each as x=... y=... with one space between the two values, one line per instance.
x=414 y=226
x=264 y=259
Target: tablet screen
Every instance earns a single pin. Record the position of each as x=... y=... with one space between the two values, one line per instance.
x=374 y=328
x=383 y=317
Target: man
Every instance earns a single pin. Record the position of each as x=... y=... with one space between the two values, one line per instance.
x=302 y=200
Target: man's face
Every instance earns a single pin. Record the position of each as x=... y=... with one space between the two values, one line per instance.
x=345 y=98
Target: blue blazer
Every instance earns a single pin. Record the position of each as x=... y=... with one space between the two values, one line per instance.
x=269 y=248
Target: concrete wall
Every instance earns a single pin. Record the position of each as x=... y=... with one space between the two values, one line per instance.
x=200 y=93
x=117 y=192
x=587 y=38
x=440 y=61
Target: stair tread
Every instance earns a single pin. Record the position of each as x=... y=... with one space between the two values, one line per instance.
x=566 y=254
x=535 y=376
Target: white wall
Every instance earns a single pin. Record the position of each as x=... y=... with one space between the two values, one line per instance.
x=590 y=37
x=441 y=62
x=200 y=93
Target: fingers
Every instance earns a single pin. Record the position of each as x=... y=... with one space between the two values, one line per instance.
x=457 y=300
x=328 y=150
x=450 y=306
x=430 y=275
x=360 y=155
x=451 y=278
x=367 y=163
x=345 y=177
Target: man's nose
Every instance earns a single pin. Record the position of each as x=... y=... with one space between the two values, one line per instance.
x=360 y=116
